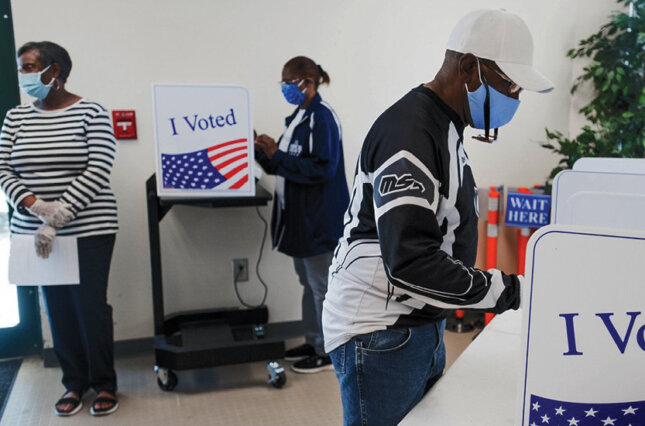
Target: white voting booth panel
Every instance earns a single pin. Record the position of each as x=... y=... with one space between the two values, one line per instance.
x=204 y=141
x=620 y=165
x=592 y=198
x=583 y=337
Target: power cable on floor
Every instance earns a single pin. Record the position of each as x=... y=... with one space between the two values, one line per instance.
x=257 y=267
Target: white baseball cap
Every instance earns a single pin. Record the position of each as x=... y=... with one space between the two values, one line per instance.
x=502 y=37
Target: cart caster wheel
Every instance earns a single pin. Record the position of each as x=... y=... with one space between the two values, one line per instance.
x=166 y=379
x=277 y=376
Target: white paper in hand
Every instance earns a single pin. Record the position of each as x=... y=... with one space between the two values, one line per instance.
x=26 y=268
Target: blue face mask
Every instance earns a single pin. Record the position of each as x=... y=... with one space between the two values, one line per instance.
x=501 y=107
x=32 y=86
x=292 y=93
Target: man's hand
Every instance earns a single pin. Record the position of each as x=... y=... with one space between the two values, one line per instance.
x=53 y=213
x=266 y=144
x=44 y=240
x=522 y=282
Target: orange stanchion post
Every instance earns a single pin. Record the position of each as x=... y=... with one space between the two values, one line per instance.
x=492 y=234
x=493 y=228
x=540 y=190
x=523 y=235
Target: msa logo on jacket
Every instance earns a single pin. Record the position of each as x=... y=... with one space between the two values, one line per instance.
x=394 y=183
x=403 y=179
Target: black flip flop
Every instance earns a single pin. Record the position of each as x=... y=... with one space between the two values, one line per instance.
x=77 y=405
x=108 y=399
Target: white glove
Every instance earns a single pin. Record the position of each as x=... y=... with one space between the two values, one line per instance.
x=44 y=240
x=53 y=213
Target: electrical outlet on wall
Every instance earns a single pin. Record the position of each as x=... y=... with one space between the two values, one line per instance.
x=240 y=270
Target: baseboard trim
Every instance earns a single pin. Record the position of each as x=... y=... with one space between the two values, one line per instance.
x=122 y=349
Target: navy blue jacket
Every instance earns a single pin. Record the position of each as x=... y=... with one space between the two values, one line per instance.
x=315 y=188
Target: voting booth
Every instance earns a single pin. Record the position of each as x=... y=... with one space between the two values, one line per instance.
x=618 y=165
x=583 y=334
x=599 y=198
x=204 y=141
x=204 y=159
x=577 y=358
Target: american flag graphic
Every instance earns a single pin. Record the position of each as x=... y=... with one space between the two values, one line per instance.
x=552 y=412
x=225 y=165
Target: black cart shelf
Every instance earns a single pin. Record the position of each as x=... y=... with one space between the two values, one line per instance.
x=213 y=337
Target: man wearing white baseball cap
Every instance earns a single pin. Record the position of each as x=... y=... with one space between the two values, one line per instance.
x=504 y=42
x=407 y=252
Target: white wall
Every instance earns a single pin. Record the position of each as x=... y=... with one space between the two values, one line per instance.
x=374 y=51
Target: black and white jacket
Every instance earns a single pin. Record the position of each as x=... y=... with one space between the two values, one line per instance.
x=410 y=236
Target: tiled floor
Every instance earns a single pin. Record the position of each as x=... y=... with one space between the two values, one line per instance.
x=230 y=395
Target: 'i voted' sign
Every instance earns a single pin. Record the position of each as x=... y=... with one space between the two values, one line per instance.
x=583 y=340
x=527 y=210
x=204 y=141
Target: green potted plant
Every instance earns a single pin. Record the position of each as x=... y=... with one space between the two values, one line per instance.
x=616 y=113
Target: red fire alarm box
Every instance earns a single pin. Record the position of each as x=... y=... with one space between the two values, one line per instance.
x=125 y=124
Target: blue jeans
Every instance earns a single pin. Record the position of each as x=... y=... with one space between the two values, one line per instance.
x=384 y=374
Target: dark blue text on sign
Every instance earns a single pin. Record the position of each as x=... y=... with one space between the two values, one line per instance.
x=527 y=210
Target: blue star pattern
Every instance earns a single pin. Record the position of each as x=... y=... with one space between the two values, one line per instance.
x=553 y=412
x=189 y=171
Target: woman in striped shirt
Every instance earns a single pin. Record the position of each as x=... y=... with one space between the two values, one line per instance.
x=56 y=156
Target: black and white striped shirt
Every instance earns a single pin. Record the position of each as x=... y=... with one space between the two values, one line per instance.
x=65 y=155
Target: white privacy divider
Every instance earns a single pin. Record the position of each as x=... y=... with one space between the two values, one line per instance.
x=204 y=141
x=583 y=338
x=620 y=165
x=606 y=199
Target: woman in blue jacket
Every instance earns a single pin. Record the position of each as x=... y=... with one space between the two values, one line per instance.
x=311 y=197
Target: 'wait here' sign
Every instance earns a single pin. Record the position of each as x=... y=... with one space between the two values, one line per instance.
x=528 y=210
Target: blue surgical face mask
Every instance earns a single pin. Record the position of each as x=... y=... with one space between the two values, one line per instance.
x=502 y=107
x=30 y=84
x=292 y=93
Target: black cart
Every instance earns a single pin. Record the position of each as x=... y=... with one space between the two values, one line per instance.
x=209 y=338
